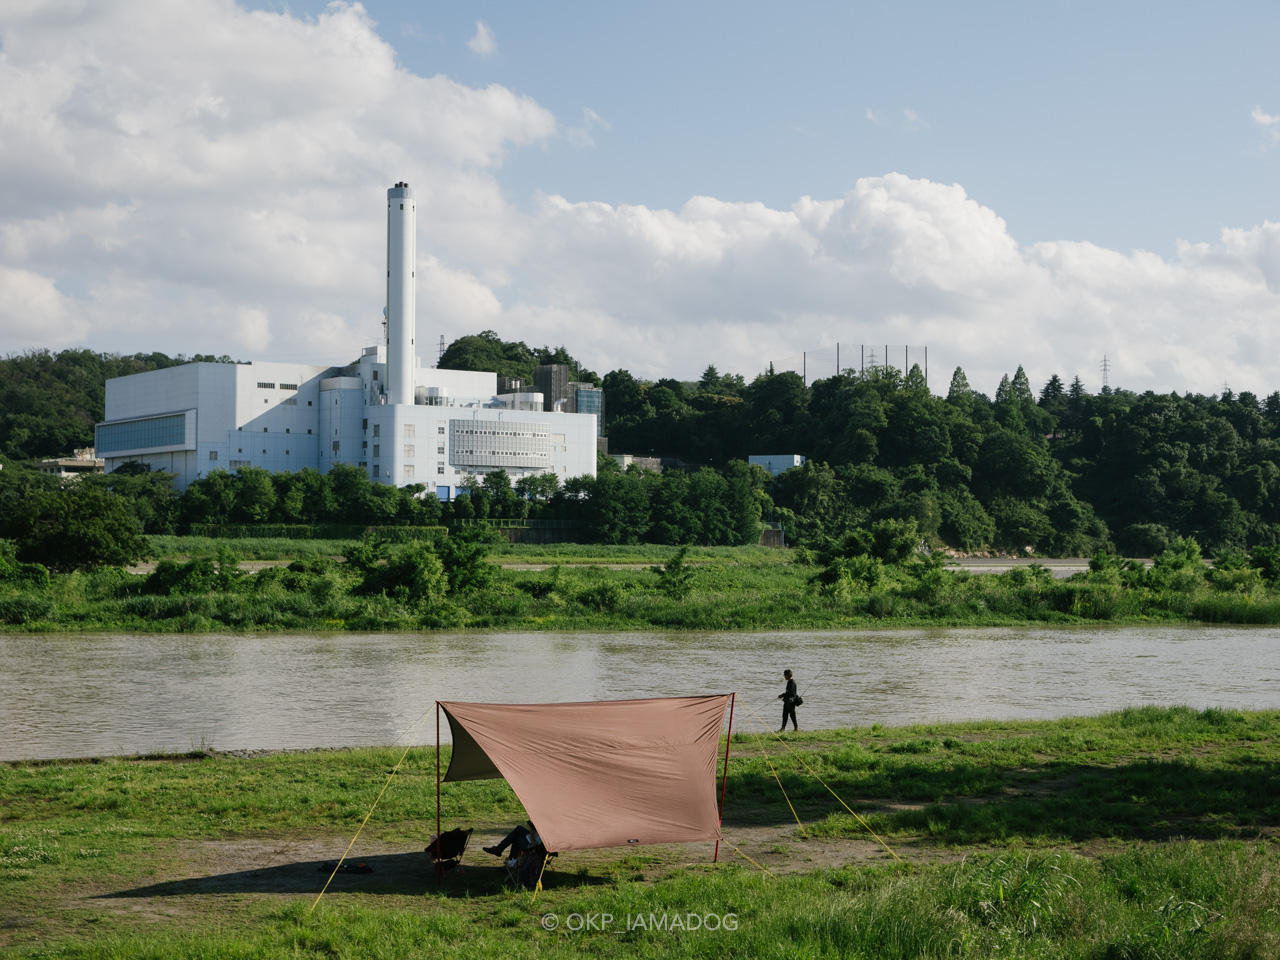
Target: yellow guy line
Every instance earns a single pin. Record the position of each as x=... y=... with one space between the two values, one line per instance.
x=370 y=813
x=834 y=794
x=779 y=780
x=745 y=857
x=538 y=887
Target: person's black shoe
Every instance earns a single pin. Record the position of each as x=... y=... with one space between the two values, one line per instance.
x=495 y=850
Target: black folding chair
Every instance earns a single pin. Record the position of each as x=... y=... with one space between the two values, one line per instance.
x=446 y=850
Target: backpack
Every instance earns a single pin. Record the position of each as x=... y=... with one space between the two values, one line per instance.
x=797 y=701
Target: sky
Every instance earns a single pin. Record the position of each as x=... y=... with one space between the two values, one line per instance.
x=656 y=187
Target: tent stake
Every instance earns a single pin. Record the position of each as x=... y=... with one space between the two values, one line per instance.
x=439 y=862
x=724 y=780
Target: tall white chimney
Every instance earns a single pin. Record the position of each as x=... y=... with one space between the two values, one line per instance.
x=401 y=255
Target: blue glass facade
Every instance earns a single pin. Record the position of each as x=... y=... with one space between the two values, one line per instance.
x=167 y=431
x=591 y=400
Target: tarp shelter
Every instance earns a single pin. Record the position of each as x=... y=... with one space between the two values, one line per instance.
x=604 y=774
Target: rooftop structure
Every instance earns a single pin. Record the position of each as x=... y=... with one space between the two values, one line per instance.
x=84 y=461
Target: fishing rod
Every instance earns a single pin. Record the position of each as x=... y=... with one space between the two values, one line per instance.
x=809 y=683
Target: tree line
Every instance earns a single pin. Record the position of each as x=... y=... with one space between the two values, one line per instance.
x=1061 y=471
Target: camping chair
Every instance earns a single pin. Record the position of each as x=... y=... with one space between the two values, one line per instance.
x=447 y=849
x=526 y=869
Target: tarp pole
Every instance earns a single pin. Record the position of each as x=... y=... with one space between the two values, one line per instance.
x=724 y=780
x=439 y=862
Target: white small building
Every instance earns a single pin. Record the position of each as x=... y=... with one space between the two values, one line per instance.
x=777 y=463
x=383 y=413
x=84 y=461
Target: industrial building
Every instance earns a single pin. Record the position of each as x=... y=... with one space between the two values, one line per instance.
x=384 y=413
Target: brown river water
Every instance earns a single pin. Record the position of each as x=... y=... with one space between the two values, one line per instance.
x=100 y=695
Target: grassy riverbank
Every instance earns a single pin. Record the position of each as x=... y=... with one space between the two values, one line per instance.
x=198 y=586
x=1146 y=833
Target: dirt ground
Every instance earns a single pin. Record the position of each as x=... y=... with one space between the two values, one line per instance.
x=192 y=875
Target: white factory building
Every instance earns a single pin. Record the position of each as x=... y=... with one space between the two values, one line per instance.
x=398 y=421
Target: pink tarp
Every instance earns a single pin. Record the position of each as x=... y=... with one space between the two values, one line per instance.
x=606 y=774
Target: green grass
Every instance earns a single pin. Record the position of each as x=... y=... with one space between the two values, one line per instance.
x=732 y=588
x=1150 y=832
x=247 y=548
x=574 y=553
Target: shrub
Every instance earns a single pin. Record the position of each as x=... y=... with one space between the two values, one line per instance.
x=675 y=579
x=13 y=570
x=26 y=609
x=76 y=528
x=605 y=597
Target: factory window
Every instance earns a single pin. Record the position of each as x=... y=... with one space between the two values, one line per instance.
x=213 y=454
x=266 y=386
x=287 y=429
x=335 y=446
x=440 y=430
x=440 y=448
x=364 y=444
x=240 y=450
x=409 y=450
x=407 y=470
x=439 y=469
x=286 y=453
x=264 y=429
x=375 y=469
x=290 y=402
x=402 y=206
x=165 y=431
x=288 y=386
x=377 y=429
x=364 y=424
x=408 y=430
x=240 y=428
x=376 y=448
x=375 y=374
x=308 y=403
x=265 y=400
x=308 y=431
x=264 y=453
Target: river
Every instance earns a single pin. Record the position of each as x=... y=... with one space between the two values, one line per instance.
x=100 y=695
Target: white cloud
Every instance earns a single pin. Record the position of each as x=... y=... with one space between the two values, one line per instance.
x=482 y=41
x=198 y=173
x=200 y=178
x=583 y=135
x=913 y=121
x=898 y=260
x=1268 y=127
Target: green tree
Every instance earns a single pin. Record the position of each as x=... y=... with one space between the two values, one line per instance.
x=255 y=495
x=78 y=527
x=675 y=578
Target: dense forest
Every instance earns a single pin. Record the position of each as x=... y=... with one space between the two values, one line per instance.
x=1060 y=470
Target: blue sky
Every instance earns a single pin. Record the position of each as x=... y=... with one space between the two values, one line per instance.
x=1127 y=125
x=656 y=187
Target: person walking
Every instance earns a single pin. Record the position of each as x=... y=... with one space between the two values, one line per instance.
x=788 y=698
